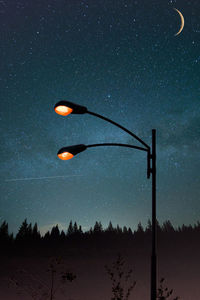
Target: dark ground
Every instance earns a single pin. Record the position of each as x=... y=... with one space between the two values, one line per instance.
x=178 y=263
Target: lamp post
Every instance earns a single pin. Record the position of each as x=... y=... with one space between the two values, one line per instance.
x=65 y=108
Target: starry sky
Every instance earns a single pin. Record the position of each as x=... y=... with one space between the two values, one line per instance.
x=121 y=59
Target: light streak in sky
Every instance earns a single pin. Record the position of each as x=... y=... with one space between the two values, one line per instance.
x=38 y=178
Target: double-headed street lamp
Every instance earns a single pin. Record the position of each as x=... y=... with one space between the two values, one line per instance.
x=65 y=108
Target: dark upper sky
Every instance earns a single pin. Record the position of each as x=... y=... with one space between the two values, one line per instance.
x=121 y=59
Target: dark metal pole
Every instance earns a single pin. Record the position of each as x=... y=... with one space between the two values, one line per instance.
x=154 y=225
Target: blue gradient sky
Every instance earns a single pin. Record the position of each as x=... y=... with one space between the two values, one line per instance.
x=122 y=60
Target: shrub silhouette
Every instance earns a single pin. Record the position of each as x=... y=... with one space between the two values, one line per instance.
x=122 y=283
x=32 y=285
x=163 y=292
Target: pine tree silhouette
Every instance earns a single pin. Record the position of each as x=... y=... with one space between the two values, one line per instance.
x=70 y=229
x=4 y=236
x=25 y=232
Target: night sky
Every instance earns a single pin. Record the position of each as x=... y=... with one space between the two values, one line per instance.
x=121 y=59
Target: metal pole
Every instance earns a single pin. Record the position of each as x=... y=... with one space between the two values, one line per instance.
x=154 y=225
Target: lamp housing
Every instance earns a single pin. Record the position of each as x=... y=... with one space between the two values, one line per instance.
x=64 y=108
x=66 y=153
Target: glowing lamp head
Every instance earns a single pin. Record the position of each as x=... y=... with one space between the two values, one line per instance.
x=65 y=155
x=69 y=152
x=65 y=108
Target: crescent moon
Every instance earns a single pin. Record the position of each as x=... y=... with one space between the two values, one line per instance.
x=182 y=21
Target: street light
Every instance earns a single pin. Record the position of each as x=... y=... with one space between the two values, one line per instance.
x=66 y=153
x=64 y=108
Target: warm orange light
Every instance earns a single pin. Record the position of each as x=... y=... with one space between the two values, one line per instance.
x=65 y=155
x=63 y=110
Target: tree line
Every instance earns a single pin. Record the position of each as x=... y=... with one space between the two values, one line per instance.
x=30 y=234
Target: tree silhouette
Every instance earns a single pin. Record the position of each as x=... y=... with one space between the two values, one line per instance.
x=4 y=235
x=125 y=230
x=75 y=228
x=55 y=233
x=46 y=237
x=110 y=228
x=167 y=227
x=25 y=232
x=70 y=229
x=130 y=232
x=149 y=227
x=62 y=236
x=98 y=228
x=118 y=230
x=140 y=228
x=35 y=233
x=80 y=229
x=6 y=239
x=30 y=284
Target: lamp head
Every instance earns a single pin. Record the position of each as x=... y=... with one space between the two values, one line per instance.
x=65 y=108
x=66 y=153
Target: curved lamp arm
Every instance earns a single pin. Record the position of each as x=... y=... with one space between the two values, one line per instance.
x=65 y=108
x=67 y=153
x=117 y=144
x=121 y=127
